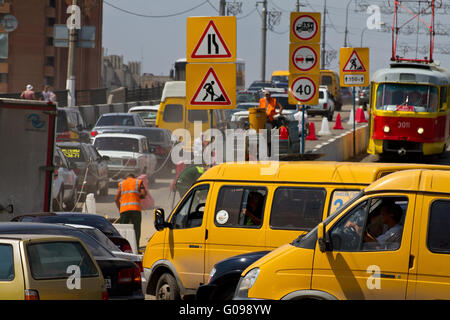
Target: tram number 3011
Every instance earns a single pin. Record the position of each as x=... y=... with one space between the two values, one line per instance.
x=404 y=125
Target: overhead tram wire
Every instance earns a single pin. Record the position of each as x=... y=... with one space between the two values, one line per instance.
x=156 y=16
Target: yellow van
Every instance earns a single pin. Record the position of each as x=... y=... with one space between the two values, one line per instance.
x=390 y=242
x=212 y=221
x=280 y=76
x=330 y=79
x=172 y=113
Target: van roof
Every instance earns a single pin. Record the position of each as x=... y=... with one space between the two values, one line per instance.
x=424 y=180
x=280 y=73
x=174 y=89
x=318 y=172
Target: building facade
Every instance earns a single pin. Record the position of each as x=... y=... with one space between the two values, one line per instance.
x=32 y=58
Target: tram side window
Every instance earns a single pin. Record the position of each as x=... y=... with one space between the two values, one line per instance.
x=443 y=99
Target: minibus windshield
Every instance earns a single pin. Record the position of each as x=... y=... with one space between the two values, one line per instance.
x=406 y=97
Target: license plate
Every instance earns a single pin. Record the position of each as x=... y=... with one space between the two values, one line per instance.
x=108 y=283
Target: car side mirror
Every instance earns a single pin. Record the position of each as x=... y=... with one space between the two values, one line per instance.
x=321 y=237
x=159 y=219
x=105 y=158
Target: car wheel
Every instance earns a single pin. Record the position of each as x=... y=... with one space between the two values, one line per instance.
x=72 y=202
x=104 y=190
x=57 y=204
x=167 y=288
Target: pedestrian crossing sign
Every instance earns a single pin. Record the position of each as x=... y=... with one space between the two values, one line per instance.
x=211 y=39
x=354 y=67
x=211 y=86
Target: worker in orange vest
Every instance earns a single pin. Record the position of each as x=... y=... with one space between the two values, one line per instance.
x=128 y=201
x=270 y=104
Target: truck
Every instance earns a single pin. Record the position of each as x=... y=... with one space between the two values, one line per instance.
x=27 y=142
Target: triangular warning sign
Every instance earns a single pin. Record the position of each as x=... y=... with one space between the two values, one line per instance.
x=211 y=44
x=354 y=64
x=210 y=92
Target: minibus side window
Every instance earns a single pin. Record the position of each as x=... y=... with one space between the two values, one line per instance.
x=438 y=239
x=190 y=213
x=297 y=208
x=6 y=262
x=173 y=113
x=373 y=225
x=239 y=206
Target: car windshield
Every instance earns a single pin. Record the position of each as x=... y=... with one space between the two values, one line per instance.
x=407 y=97
x=115 y=121
x=147 y=114
x=117 y=144
x=246 y=97
x=102 y=224
x=284 y=102
x=101 y=238
x=245 y=106
x=280 y=79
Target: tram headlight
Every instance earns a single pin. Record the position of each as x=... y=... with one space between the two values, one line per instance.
x=420 y=130
x=386 y=129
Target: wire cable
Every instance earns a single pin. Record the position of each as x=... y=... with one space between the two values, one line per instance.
x=156 y=16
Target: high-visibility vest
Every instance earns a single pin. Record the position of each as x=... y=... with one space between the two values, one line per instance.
x=130 y=199
x=270 y=107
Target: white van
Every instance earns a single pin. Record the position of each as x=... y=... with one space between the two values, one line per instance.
x=148 y=113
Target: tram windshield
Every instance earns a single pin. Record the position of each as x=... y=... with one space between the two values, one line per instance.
x=407 y=97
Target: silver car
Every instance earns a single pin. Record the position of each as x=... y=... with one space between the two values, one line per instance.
x=325 y=106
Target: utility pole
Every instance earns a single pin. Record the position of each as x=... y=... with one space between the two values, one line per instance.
x=298 y=6
x=324 y=27
x=263 y=41
x=222 y=6
x=70 y=82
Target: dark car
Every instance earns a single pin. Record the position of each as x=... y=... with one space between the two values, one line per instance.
x=108 y=120
x=92 y=220
x=225 y=276
x=363 y=96
x=160 y=142
x=70 y=126
x=257 y=86
x=122 y=277
x=89 y=164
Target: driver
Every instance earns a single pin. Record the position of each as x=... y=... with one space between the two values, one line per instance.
x=254 y=208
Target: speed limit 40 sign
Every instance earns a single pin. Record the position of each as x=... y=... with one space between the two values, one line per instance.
x=303 y=89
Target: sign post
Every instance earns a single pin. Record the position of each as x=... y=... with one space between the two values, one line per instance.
x=354 y=72
x=304 y=57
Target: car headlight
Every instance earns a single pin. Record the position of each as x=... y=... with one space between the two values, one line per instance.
x=386 y=129
x=420 y=130
x=211 y=274
x=246 y=283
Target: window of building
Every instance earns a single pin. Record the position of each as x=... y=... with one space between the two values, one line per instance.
x=50 y=81
x=439 y=226
x=297 y=208
x=50 y=22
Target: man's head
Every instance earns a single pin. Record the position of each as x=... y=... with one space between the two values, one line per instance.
x=29 y=87
x=391 y=212
x=266 y=93
x=131 y=175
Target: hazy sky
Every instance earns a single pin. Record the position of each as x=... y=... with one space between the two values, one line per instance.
x=159 y=41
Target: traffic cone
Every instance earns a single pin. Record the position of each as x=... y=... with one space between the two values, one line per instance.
x=312 y=132
x=324 y=130
x=360 y=117
x=338 y=124
x=351 y=119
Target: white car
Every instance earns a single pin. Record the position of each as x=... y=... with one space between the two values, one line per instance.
x=148 y=113
x=325 y=106
x=128 y=153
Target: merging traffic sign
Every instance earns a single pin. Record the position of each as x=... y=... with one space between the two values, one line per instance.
x=304 y=58
x=304 y=89
x=211 y=86
x=211 y=39
x=354 y=67
x=305 y=27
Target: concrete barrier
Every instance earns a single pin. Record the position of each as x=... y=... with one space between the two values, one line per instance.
x=340 y=148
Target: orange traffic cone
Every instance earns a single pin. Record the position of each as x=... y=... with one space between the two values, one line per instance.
x=360 y=117
x=338 y=124
x=312 y=132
